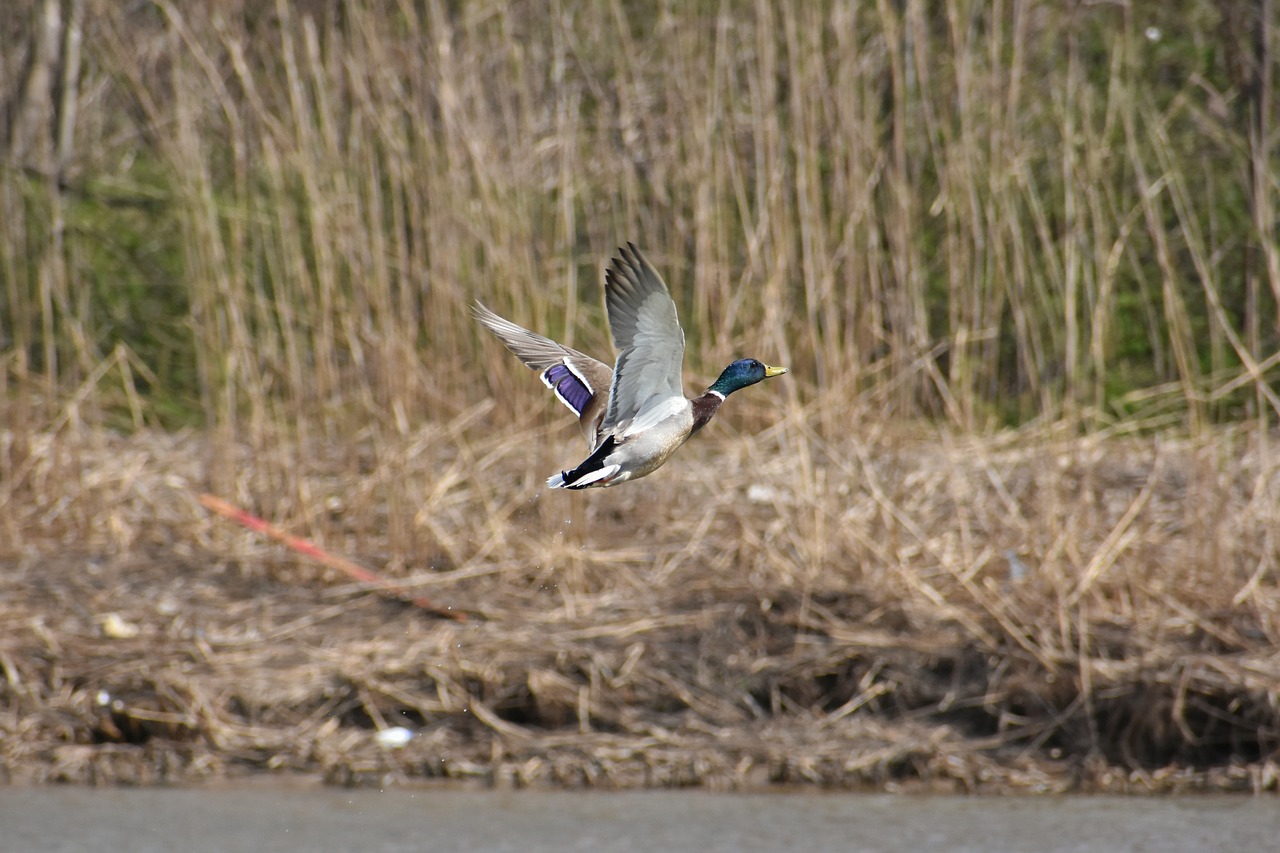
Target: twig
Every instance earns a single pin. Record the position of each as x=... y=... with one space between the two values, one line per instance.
x=310 y=549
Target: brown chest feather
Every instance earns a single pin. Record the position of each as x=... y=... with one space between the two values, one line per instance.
x=704 y=409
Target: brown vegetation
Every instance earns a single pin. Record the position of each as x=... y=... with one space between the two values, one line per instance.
x=1030 y=611
x=1009 y=523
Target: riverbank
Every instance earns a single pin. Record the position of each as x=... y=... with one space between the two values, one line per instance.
x=1020 y=613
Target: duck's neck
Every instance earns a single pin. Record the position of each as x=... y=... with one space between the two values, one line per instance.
x=705 y=407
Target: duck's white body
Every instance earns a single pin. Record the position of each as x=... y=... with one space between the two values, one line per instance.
x=635 y=415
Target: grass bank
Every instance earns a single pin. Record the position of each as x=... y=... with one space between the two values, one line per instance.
x=1034 y=612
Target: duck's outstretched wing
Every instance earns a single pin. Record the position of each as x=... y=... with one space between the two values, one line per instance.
x=642 y=318
x=578 y=380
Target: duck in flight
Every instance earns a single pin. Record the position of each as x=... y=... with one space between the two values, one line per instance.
x=635 y=415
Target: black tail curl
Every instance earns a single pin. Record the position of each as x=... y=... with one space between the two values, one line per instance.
x=594 y=462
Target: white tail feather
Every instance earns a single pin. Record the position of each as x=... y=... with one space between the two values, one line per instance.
x=557 y=482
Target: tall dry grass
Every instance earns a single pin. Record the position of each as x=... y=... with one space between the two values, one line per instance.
x=265 y=225
x=995 y=212
x=981 y=215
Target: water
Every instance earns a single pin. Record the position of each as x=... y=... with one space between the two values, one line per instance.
x=269 y=819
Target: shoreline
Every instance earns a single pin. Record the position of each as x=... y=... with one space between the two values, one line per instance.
x=189 y=650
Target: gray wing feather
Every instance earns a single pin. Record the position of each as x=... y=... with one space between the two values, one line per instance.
x=540 y=353
x=647 y=333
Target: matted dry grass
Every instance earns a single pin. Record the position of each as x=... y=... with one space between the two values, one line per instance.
x=1029 y=611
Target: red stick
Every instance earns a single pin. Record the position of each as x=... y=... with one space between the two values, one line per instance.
x=310 y=549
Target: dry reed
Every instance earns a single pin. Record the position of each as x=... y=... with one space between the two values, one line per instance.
x=239 y=246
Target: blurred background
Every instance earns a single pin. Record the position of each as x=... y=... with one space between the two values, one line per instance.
x=269 y=219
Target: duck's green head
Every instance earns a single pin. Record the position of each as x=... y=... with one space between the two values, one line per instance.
x=744 y=372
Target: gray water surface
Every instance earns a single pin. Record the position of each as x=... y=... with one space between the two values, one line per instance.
x=257 y=818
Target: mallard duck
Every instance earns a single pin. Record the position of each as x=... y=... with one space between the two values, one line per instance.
x=635 y=415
